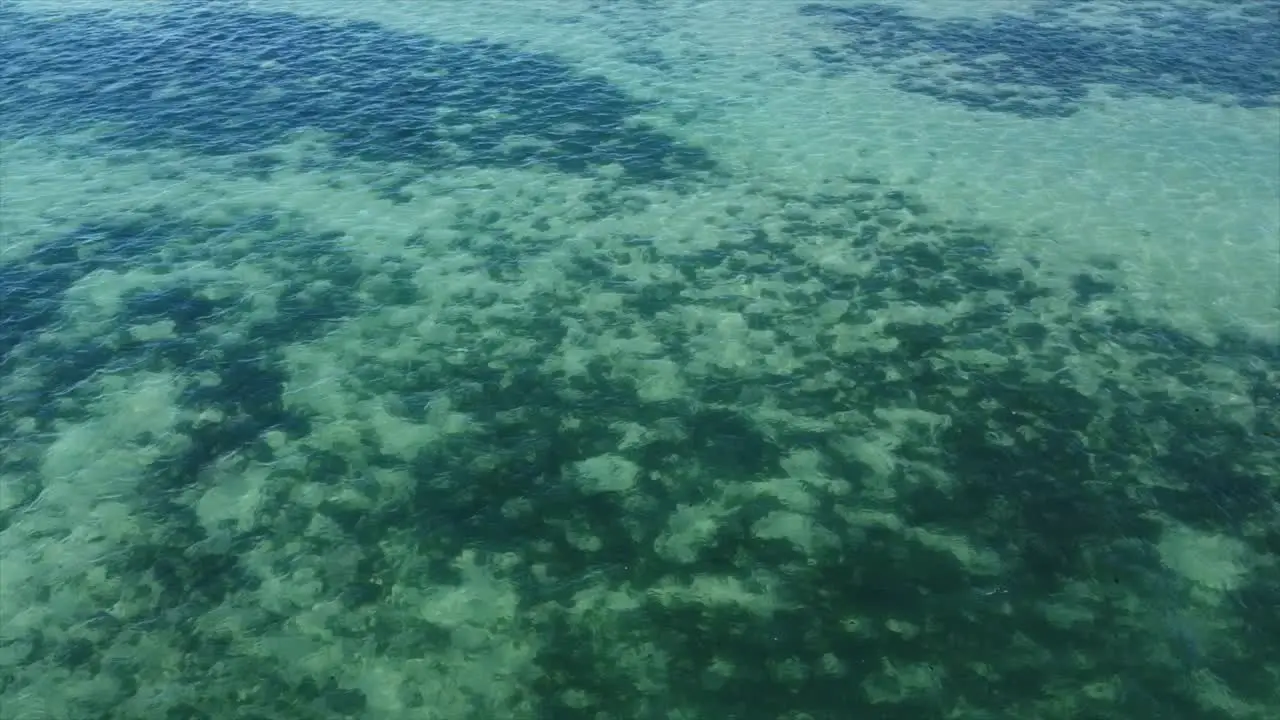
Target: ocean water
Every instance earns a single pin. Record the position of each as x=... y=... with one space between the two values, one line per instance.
x=654 y=359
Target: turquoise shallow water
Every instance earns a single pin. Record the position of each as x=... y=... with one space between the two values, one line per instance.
x=640 y=360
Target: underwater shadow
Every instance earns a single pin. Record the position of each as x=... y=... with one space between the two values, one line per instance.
x=216 y=81
x=1043 y=63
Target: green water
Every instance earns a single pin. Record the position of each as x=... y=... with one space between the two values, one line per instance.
x=661 y=360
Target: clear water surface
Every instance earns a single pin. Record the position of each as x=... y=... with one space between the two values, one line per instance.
x=665 y=359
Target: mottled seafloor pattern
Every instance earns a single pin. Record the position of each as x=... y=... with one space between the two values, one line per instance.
x=1045 y=62
x=816 y=454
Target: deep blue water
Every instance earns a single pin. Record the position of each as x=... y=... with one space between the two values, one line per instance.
x=1043 y=63
x=220 y=80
